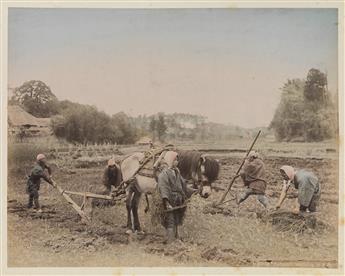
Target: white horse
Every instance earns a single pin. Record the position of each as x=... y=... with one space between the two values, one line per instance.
x=138 y=183
x=144 y=182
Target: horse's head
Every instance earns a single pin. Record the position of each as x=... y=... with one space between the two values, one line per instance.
x=209 y=169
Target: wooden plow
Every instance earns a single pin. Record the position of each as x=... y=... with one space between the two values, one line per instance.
x=85 y=209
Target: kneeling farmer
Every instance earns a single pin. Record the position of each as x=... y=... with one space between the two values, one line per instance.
x=308 y=186
x=34 y=181
x=172 y=188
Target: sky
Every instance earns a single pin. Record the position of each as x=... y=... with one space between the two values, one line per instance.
x=225 y=64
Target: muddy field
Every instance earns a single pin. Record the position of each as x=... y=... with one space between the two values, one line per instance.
x=229 y=236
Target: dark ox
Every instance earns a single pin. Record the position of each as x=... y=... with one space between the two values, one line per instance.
x=202 y=170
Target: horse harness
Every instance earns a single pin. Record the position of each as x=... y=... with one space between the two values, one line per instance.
x=143 y=170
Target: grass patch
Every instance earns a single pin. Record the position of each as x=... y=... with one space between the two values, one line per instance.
x=21 y=156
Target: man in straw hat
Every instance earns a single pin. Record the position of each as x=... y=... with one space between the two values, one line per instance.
x=172 y=189
x=34 y=181
x=307 y=184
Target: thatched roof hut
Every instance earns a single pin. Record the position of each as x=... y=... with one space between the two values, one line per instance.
x=17 y=116
x=19 y=119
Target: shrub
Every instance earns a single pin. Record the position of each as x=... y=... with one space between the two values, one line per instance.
x=287 y=121
x=83 y=124
x=21 y=156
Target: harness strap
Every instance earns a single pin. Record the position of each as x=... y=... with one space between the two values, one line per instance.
x=146 y=174
x=142 y=163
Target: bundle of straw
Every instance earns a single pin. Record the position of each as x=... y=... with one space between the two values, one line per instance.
x=157 y=209
x=298 y=223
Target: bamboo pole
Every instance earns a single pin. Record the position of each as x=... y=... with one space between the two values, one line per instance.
x=238 y=171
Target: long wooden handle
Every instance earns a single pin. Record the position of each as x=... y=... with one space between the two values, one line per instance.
x=88 y=194
x=175 y=208
x=71 y=202
x=238 y=171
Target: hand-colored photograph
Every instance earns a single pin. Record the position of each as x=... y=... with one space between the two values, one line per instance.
x=173 y=137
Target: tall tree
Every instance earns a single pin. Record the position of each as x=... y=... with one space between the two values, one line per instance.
x=287 y=121
x=306 y=110
x=36 y=98
x=153 y=127
x=126 y=127
x=315 y=87
x=161 y=126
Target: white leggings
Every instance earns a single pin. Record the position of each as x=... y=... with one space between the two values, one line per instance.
x=262 y=198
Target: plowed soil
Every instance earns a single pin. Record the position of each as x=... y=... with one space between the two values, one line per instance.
x=231 y=235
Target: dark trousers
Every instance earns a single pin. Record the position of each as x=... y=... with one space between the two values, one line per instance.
x=33 y=199
x=172 y=220
x=312 y=206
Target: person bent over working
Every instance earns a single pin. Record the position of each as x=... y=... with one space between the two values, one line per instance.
x=253 y=174
x=307 y=184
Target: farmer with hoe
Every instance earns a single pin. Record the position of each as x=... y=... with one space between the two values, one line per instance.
x=34 y=181
x=172 y=189
x=306 y=183
x=253 y=174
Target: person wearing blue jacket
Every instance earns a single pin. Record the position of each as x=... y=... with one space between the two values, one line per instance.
x=173 y=191
x=307 y=184
x=34 y=181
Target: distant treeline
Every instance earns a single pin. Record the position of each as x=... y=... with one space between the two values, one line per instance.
x=78 y=123
x=306 y=111
x=187 y=127
x=85 y=124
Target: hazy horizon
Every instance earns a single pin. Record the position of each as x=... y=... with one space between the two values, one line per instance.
x=224 y=64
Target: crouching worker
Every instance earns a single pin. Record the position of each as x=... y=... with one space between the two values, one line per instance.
x=253 y=174
x=111 y=177
x=172 y=189
x=307 y=184
x=34 y=181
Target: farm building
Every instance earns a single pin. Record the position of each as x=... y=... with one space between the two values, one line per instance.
x=21 y=122
x=144 y=141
